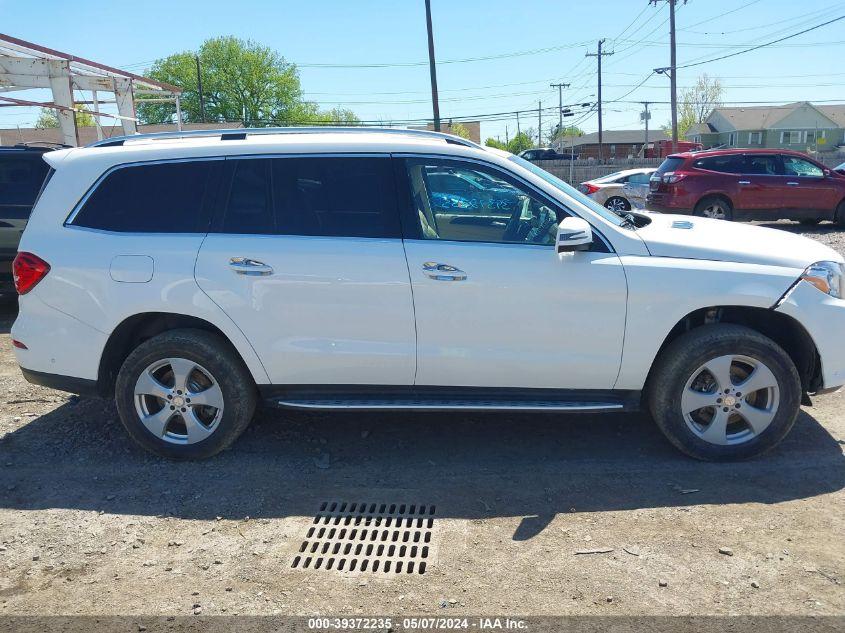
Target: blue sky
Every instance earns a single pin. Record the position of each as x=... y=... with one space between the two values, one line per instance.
x=537 y=43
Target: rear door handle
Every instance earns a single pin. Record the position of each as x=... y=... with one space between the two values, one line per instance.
x=745 y=182
x=443 y=272
x=247 y=266
x=792 y=183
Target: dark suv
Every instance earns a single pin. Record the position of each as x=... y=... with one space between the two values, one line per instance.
x=756 y=184
x=22 y=173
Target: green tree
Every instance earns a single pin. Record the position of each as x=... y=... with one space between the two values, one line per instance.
x=492 y=142
x=241 y=81
x=697 y=103
x=520 y=142
x=565 y=131
x=48 y=118
x=459 y=129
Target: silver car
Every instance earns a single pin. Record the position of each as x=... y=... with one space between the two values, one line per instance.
x=620 y=191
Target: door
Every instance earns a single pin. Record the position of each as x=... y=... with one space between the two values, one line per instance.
x=636 y=189
x=306 y=257
x=763 y=187
x=808 y=193
x=495 y=305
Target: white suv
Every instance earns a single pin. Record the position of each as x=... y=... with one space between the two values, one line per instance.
x=192 y=275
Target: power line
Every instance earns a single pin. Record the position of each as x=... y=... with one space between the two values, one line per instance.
x=759 y=46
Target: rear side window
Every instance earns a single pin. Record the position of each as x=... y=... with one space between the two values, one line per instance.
x=727 y=164
x=21 y=177
x=156 y=198
x=319 y=196
x=670 y=164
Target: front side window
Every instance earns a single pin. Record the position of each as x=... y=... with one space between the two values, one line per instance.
x=312 y=196
x=150 y=198
x=502 y=212
x=794 y=166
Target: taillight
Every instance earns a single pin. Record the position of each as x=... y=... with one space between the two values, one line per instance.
x=673 y=176
x=28 y=270
x=588 y=188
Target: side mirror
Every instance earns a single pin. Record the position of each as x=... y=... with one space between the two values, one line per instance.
x=573 y=234
x=827 y=173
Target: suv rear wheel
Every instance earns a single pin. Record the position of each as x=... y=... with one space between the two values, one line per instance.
x=185 y=394
x=724 y=392
x=714 y=207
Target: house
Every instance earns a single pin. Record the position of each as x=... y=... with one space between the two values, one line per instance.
x=801 y=126
x=615 y=143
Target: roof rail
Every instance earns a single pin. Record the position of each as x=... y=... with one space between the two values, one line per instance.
x=242 y=133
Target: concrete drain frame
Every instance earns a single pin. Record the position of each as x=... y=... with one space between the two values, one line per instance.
x=375 y=538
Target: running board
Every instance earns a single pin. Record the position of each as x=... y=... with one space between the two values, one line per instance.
x=448 y=405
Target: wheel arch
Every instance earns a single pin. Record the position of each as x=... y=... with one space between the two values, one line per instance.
x=783 y=329
x=715 y=194
x=138 y=328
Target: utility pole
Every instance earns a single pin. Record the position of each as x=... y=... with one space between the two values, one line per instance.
x=518 y=132
x=560 y=88
x=539 y=124
x=673 y=80
x=199 y=89
x=434 y=102
x=599 y=54
x=645 y=115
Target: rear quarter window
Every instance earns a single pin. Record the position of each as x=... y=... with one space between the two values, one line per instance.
x=152 y=198
x=669 y=164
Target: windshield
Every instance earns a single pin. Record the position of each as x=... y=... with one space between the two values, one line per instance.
x=572 y=192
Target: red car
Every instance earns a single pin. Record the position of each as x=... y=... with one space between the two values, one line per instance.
x=759 y=184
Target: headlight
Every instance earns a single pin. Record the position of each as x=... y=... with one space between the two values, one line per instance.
x=827 y=277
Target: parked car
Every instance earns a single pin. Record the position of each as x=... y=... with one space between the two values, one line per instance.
x=191 y=276
x=761 y=184
x=22 y=173
x=620 y=191
x=544 y=153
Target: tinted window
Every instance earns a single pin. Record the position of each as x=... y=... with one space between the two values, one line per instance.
x=669 y=164
x=762 y=164
x=21 y=176
x=334 y=197
x=728 y=164
x=794 y=166
x=158 y=198
x=502 y=213
x=249 y=207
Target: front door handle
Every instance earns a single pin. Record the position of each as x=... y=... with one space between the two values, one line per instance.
x=443 y=272
x=247 y=266
x=745 y=182
x=792 y=183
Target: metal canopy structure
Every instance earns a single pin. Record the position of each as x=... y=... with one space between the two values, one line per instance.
x=26 y=66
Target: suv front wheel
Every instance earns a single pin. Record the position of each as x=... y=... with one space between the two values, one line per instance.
x=185 y=394
x=724 y=392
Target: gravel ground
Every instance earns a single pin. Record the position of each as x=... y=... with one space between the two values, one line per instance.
x=534 y=514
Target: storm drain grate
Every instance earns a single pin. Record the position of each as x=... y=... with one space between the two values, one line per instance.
x=388 y=538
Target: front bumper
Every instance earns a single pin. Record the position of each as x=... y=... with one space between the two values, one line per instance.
x=823 y=317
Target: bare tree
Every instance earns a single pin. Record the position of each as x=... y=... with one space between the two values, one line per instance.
x=698 y=102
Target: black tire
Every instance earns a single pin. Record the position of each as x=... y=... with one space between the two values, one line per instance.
x=617 y=204
x=213 y=355
x=712 y=206
x=839 y=218
x=679 y=362
x=809 y=221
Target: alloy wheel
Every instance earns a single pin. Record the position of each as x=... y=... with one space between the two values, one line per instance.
x=730 y=400
x=715 y=211
x=178 y=401
x=617 y=205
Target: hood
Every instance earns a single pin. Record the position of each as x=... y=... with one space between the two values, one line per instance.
x=691 y=237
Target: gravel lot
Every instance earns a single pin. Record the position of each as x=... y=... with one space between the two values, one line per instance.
x=91 y=525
